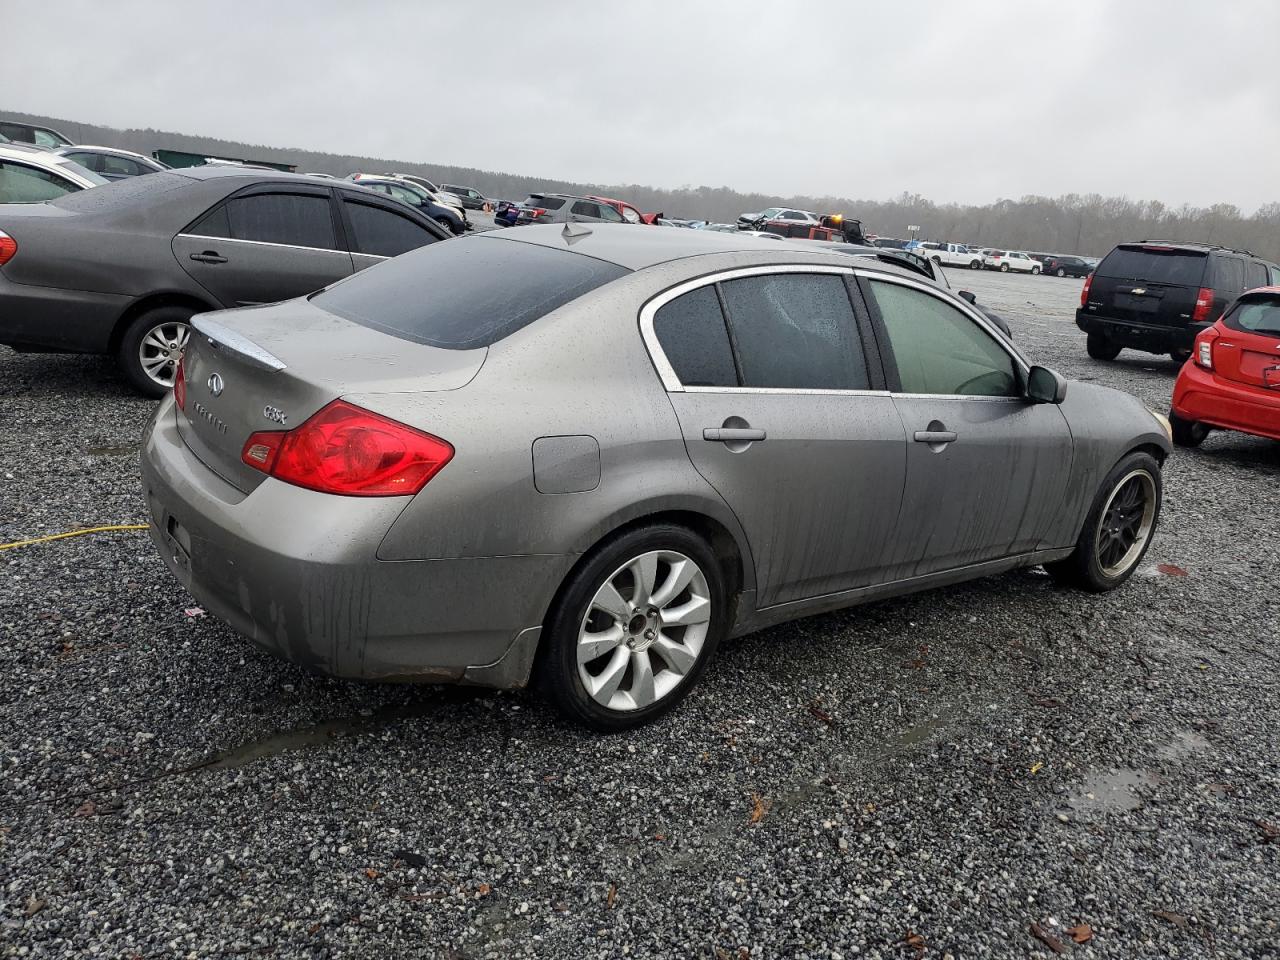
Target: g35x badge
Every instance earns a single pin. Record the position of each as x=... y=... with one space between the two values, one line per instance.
x=275 y=414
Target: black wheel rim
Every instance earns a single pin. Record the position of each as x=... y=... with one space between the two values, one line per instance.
x=1126 y=523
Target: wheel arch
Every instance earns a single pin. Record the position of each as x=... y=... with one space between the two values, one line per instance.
x=151 y=301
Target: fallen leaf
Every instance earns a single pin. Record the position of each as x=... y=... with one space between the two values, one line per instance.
x=612 y=898
x=371 y=873
x=759 y=807
x=1081 y=933
x=912 y=941
x=1046 y=702
x=1170 y=570
x=1047 y=938
x=822 y=715
x=313 y=929
x=1037 y=767
x=484 y=890
x=34 y=906
x=86 y=809
x=194 y=611
x=659 y=836
x=1177 y=919
x=1270 y=832
x=560 y=907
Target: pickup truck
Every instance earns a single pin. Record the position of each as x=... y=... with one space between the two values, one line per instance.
x=950 y=254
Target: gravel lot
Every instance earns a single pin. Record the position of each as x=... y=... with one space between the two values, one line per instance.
x=938 y=776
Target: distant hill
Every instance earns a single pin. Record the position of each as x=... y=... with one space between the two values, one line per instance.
x=1085 y=224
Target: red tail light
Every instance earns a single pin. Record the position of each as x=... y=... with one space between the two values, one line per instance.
x=1203 y=353
x=1204 y=303
x=537 y=212
x=8 y=247
x=180 y=386
x=1084 y=293
x=347 y=450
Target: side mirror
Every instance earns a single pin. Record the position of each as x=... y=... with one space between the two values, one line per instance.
x=1046 y=386
x=968 y=297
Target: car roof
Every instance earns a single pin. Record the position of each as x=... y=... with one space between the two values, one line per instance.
x=1192 y=245
x=637 y=247
x=214 y=172
x=94 y=148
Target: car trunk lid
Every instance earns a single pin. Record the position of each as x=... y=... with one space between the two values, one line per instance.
x=1248 y=350
x=1148 y=284
x=270 y=368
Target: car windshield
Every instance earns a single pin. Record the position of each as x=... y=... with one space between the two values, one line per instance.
x=771 y=212
x=1154 y=265
x=1256 y=314
x=466 y=293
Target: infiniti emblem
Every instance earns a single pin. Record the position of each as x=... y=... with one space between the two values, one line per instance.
x=215 y=384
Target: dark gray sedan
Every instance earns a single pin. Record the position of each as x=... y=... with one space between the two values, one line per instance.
x=589 y=454
x=122 y=268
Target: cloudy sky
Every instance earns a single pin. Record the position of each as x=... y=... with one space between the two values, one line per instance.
x=961 y=100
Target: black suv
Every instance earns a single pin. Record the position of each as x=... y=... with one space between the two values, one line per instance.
x=1156 y=295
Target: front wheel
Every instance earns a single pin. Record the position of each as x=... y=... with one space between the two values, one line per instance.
x=1118 y=529
x=1100 y=347
x=1187 y=433
x=151 y=347
x=633 y=628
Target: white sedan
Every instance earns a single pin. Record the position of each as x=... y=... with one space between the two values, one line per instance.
x=1006 y=260
x=32 y=175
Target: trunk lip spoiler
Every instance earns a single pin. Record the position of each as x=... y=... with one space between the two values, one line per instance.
x=220 y=336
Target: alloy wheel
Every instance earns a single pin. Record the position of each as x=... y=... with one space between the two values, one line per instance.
x=644 y=630
x=160 y=350
x=1126 y=523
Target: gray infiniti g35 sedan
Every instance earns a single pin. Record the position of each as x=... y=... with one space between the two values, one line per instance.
x=587 y=455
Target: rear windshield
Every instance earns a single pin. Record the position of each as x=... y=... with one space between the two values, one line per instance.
x=122 y=193
x=546 y=203
x=465 y=293
x=1259 y=313
x=1184 y=267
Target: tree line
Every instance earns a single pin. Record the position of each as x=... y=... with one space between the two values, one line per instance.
x=1088 y=224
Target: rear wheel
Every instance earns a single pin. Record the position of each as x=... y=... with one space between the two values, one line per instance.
x=151 y=348
x=1187 y=433
x=1117 y=530
x=1100 y=347
x=1004 y=268
x=634 y=627
x=1034 y=271
x=975 y=264
x=1061 y=272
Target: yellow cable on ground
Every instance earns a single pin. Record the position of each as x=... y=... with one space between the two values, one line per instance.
x=73 y=533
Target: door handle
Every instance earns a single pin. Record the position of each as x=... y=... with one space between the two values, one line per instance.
x=209 y=256
x=733 y=434
x=935 y=436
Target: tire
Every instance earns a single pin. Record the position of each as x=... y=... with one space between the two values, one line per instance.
x=937 y=260
x=605 y=577
x=1187 y=433
x=975 y=264
x=1004 y=268
x=151 y=347
x=1118 y=528
x=1034 y=271
x=1181 y=355
x=1061 y=272
x=1100 y=347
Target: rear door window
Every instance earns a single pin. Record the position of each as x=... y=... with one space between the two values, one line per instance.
x=1257 y=274
x=466 y=293
x=693 y=336
x=938 y=349
x=22 y=184
x=292 y=219
x=119 y=166
x=584 y=209
x=795 y=331
x=1154 y=265
x=381 y=233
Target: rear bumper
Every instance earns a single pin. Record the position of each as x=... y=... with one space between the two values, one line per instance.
x=51 y=318
x=1154 y=338
x=1201 y=396
x=296 y=572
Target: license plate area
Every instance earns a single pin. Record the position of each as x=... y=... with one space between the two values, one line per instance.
x=178 y=540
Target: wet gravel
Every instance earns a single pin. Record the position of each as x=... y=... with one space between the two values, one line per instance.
x=976 y=772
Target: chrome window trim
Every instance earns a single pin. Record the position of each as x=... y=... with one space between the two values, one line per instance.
x=983 y=323
x=264 y=243
x=668 y=374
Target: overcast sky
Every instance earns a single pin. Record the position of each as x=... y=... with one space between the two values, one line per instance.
x=961 y=100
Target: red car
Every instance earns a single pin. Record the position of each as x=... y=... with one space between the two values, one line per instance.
x=629 y=213
x=1232 y=381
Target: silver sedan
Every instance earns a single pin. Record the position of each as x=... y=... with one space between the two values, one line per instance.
x=587 y=455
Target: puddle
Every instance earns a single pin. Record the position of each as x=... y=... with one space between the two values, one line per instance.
x=1184 y=744
x=1111 y=791
x=920 y=732
x=121 y=451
